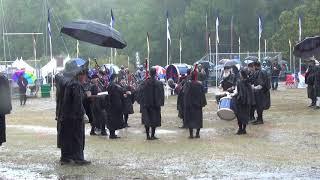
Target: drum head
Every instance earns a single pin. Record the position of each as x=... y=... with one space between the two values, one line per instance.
x=226 y=114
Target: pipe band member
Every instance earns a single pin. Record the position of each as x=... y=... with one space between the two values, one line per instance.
x=151 y=98
x=243 y=100
x=194 y=101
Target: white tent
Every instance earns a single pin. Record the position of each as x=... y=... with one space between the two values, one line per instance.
x=49 y=68
x=21 y=64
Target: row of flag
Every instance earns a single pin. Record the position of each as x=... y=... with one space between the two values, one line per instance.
x=112 y=22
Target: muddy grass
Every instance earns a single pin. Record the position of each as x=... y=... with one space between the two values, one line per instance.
x=286 y=146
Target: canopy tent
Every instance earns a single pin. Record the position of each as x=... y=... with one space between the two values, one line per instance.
x=49 y=68
x=21 y=64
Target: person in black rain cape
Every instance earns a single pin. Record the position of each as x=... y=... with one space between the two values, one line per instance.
x=128 y=101
x=98 y=106
x=71 y=111
x=5 y=106
x=243 y=100
x=115 y=110
x=261 y=86
x=251 y=72
x=309 y=80
x=194 y=101
x=180 y=99
x=151 y=98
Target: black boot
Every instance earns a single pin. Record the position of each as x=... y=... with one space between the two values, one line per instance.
x=153 y=137
x=239 y=132
x=148 y=132
x=92 y=132
x=198 y=133
x=113 y=135
x=191 y=133
x=244 y=126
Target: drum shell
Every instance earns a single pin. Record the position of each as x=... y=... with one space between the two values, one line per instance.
x=224 y=110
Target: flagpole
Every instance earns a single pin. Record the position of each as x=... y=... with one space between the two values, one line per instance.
x=128 y=62
x=77 y=49
x=217 y=42
x=180 y=50
x=290 y=55
x=265 y=47
x=207 y=33
x=239 y=48
x=260 y=32
x=210 y=49
x=51 y=56
x=300 y=38
x=259 y=50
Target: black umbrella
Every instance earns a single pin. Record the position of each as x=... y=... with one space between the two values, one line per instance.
x=94 y=33
x=252 y=58
x=308 y=47
x=231 y=62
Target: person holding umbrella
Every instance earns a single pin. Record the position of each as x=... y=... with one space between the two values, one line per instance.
x=5 y=106
x=23 y=84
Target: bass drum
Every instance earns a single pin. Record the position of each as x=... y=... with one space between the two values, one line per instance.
x=175 y=71
x=225 y=112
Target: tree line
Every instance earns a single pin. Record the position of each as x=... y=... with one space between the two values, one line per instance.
x=135 y=18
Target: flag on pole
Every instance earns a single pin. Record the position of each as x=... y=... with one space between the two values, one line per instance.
x=300 y=29
x=168 y=31
x=49 y=24
x=260 y=28
x=217 y=30
x=112 y=20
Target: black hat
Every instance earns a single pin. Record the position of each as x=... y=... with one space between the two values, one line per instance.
x=75 y=67
x=153 y=72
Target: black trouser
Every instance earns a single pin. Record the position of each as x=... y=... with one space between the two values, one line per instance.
x=275 y=81
x=252 y=110
x=23 y=98
x=191 y=132
x=112 y=133
x=242 y=126
x=260 y=114
x=126 y=117
x=2 y=129
x=153 y=131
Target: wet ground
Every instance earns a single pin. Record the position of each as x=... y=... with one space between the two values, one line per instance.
x=287 y=146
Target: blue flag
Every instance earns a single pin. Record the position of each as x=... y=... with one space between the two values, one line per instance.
x=112 y=20
x=49 y=24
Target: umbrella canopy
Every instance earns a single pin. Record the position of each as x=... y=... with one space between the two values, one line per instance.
x=94 y=33
x=308 y=47
x=248 y=61
x=252 y=58
x=223 y=61
x=231 y=62
x=30 y=77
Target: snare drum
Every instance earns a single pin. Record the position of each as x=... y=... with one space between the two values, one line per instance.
x=224 y=110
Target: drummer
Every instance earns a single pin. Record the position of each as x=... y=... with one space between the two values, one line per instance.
x=243 y=100
x=227 y=83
